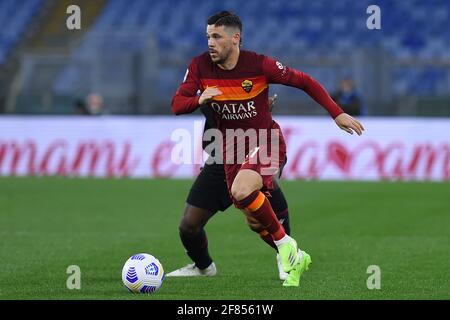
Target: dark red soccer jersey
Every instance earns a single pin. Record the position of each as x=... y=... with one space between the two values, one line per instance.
x=244 y=103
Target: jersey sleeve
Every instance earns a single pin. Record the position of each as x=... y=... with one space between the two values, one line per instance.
x=277 y=73
x=185 y=99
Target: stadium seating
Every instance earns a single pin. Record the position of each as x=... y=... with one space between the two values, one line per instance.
x=15 y=17
x=292 y=28
x=415 y=33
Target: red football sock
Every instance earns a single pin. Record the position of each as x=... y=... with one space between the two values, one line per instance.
x=265 y=235
x=262 y=211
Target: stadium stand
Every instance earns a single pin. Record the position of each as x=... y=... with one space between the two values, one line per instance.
x=320 y=37
x=15 y=17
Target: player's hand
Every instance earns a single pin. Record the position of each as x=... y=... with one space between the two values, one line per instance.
x=272 y=101
x=208 y=95
x=349 y=124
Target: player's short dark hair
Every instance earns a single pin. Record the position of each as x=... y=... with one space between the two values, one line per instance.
x=225 y=18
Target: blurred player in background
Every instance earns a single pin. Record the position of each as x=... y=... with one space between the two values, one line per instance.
x=348 y=98
x=208 y=195
x=234 y=83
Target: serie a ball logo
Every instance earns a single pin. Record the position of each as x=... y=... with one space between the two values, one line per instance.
x=142 y=273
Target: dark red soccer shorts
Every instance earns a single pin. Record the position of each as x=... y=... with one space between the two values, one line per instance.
x=266 y=165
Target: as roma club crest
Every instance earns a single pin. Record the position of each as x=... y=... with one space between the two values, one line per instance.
x=247 y=85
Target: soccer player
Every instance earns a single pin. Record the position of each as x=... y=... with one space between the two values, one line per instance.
x=208 y=195
x=235 y=84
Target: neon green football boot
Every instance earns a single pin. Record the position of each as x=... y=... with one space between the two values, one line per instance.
x=288 y=255
x=293 y=279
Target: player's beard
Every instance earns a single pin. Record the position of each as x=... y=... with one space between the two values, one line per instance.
x=223 y=57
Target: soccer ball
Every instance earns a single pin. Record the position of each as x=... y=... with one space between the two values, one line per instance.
x=142 y=273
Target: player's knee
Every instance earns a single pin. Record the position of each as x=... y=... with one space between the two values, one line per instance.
x=245 y=183
x=188 y=228
x=240 y=192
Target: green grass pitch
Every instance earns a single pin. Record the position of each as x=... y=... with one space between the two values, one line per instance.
x=47 y=224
